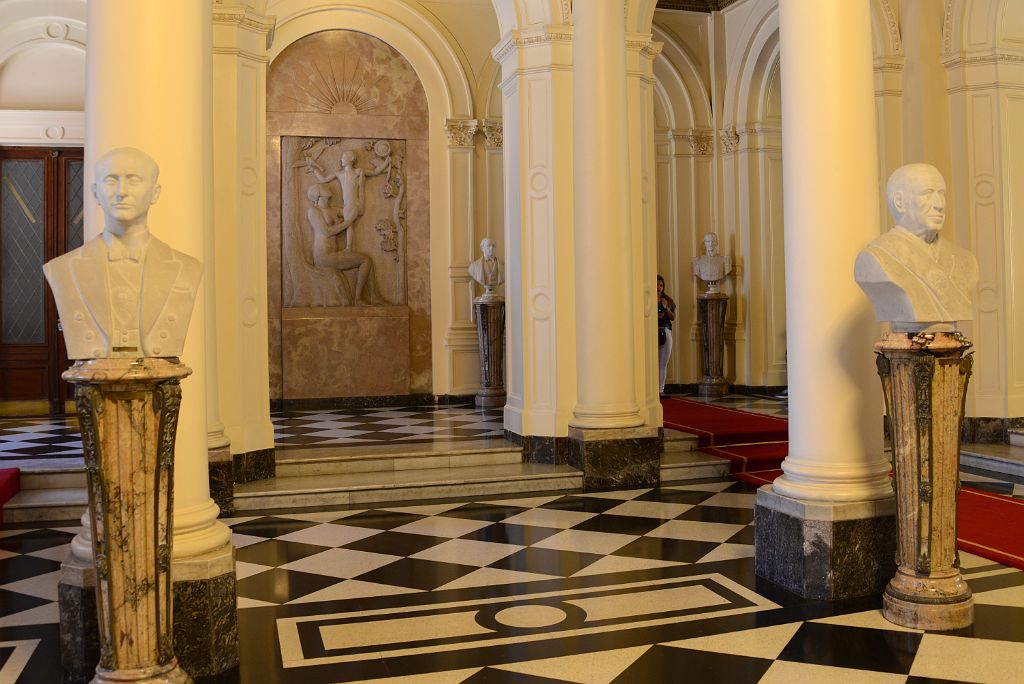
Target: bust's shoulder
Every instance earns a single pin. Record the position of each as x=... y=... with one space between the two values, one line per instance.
x=191 y=267
x=91 y=249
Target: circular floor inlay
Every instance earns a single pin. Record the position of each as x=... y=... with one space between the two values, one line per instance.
x=530 y=616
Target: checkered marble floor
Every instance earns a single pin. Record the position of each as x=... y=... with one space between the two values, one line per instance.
x=361 y=427
x=648 y=585
x=770 y=406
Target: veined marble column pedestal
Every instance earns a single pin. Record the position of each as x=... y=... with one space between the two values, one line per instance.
x=128 y=413
x=490 y=331
x=924 y=378
x=711 y=307
x=616 y=458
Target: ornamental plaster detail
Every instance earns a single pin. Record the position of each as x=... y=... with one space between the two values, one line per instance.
x=730 y=140
x=244 y=17
x=460 y=131
x=947 y=28
x=989 y=58
x=525 y=38
x=700 y=143
x=894 y=27
x=493 y=130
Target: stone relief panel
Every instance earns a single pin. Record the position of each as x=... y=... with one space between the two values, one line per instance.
x=343 y=222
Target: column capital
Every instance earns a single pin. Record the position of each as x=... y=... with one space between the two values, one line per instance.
x=548 y=34
x=493 y=131
x=460 y=131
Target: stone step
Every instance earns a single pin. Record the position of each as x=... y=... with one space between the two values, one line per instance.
x=1016 y=437
x=676 y=441
x=405 y=485
x=337 y=461
x=56 y=478
x=692 y=465
x=36 y=505
x=1007 y=459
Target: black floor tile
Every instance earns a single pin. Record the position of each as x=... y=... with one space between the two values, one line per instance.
x=744 y=536
x=35 y=540
x=271 y=526
x=281 y=586
x=620 y=524
x=667 y=664
x=1004 y=623
x=275 y=552
x=395 y=543
x=483 y=511
x=23 y=567
x=381 y=520
x=547 y=561
x=658 y=548
x=12 y=602
x=719 y=514
x=489 y=675
x=508 y=533
x=582 y=504
x=675 y=496
x=853 y=647
x=417 y=574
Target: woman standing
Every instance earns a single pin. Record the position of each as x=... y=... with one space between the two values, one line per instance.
x=666 y=314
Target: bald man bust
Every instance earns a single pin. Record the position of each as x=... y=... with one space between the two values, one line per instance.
x=124 y=293
x=915 y=280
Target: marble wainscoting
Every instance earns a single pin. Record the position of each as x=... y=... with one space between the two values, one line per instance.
x=349 y=351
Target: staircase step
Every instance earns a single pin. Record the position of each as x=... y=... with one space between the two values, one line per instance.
x=427 y=483
x=57 y=478
x=36 y=505
x=692 y=465
x=676 y=441
x=1006 y=459
x=1016 y=437
x=346 y=460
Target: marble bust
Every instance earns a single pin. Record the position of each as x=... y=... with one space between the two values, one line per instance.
x=124 y=293
x=711 y=267
x=488 y=270
x=915 y=280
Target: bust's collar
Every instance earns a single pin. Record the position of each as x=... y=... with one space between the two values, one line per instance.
x=132 y=245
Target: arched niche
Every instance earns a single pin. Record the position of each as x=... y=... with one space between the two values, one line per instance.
x=440 y=67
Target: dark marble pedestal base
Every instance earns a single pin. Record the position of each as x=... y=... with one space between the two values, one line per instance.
x=79 y=631
x=617 y=458
x=489 y=310
x=825 y=551
x=205 y=617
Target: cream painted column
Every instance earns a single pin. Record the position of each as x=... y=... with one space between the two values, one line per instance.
x=831 y=212
x=537 y=103
x=605 y=347
x=148 y=85
x=240 y=35
x=640 y=56
x=460 y=338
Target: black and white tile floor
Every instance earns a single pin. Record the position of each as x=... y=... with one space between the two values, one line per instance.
x=649 y=585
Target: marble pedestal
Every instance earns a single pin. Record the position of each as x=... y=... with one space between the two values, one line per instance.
x=711 y=308
x=924 y=379
x=824 y=551
x=490 y=330
x=616 y=458
x=128 y=413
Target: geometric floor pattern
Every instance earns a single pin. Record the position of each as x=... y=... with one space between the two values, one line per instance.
x=647 y=585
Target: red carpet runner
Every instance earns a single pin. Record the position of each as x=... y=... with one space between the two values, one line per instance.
x=9 y=486
x=749 y=441
x=990 y=525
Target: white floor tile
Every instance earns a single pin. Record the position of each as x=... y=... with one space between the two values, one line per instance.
x=468 y=552
x=586 y=668
x=650 y=509
x=547 y=517
x=763 y=642
x=784 y=672
x=985 y=661
x=341 y=563
x=695 y=530
x=330 y=535
x=583 y=541
x=443 y=527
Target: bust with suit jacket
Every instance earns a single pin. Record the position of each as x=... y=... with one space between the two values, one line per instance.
x=124 y=293
x=915 y=280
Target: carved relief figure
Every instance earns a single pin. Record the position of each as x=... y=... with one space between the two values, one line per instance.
x=915 y=280
x=711 y=267
x=124 y=293
x=488 y=270
x=328 y=223
x=368 y=268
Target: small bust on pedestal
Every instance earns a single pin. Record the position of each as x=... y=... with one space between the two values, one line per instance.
x=923 y=286
x=488 y=270
x=124 y=293
x=712 y=267
x=489 y=310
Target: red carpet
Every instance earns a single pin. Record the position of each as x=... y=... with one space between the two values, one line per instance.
x=990 y=525
x=750 y=441
x=9 y=486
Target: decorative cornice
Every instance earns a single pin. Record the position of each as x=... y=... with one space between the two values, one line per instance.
x=244 y=17
x=993 y=57
x=890 y=63
x=460 y=131
x=493 y=130
x=552 y=33
x=695 y=5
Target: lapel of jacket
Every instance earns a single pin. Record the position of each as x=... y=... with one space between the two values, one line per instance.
x=158 y=277
x=89 y=271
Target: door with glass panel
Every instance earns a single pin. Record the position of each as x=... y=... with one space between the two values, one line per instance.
x=41 y=217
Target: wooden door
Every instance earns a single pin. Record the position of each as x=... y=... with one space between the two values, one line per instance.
x=41 y=217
